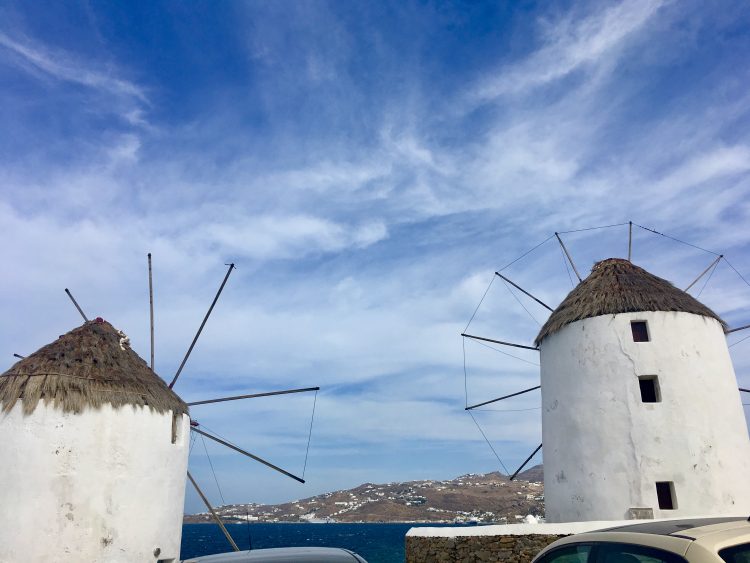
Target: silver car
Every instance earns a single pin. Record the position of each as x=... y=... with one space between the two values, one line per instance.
x=283 y=555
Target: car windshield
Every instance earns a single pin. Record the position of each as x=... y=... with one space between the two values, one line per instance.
x=736 y=554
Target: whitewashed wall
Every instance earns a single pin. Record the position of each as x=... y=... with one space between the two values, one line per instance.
x=604 y=449
x=106 y=485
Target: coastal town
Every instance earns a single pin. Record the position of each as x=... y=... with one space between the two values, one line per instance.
x=492 y=498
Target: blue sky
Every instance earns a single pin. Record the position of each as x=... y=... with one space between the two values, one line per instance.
x=367 y=165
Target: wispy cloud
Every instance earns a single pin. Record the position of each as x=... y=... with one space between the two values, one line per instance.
x=58 y=65
x=570 y=44
x=366 y=197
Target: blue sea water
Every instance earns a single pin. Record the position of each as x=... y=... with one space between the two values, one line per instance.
x=377 y=543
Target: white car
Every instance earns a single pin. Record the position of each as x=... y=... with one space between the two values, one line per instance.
x=697 y=540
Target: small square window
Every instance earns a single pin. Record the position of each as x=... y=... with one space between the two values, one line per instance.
x=665 y=495
x=640 y=331
x=650 y=392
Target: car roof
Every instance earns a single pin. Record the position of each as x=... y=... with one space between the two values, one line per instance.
x=282 y=555
x=672 y=535
x=691 y=528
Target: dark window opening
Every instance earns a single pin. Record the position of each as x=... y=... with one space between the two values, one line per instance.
x=665 y=495
x=650 y=392
x=737 y=554
x=176 y=428
x=640 y=331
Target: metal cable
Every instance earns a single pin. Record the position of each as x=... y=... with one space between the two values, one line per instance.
x=488 y=443
x=192 y=443
x=503 y=353
x=480 y=303
x=205 y=449
x=567 y=269
x=526 y=253
x=711 y=273
x=309 y=435
x=508 y=410
x=521 y=304
x=676 y=239
x=736 y=271
x=466 y=377
x=742 y=340
x=593 y=228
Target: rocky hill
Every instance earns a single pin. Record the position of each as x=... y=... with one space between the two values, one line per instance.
x=483 y=498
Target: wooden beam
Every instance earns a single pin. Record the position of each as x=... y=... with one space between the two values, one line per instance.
x=213 y=513
x=569 y=258
x=528 y=459
x=703 y=273
x=200 y=329
x=503 y=343
x=501 y=398
x=248 y=454
x=151 y=307
x=630 y=240
x=253 y=396
x=85 y=318
x=524 y=291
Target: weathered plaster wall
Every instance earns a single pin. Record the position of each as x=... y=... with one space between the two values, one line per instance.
x=604 y=449
x=100 y=486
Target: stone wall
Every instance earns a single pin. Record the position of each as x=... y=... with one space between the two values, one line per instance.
x=477 y=548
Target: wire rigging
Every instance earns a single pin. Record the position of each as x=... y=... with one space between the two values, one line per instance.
x=592 y=228
x=676 y=239
x=736 y=271
x=521 y=304
x=309 y=435
x=466 y=385
x=205 y=449
x=192 y=443
x=526 y=253
x=488 y=443
x=480 y=303
x=508 y=410
x=504 y=353
x=567 y=269
x=741 y=340
x=711 y=273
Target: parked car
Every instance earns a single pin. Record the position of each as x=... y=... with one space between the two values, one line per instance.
x=696 y=540
x=283 y=555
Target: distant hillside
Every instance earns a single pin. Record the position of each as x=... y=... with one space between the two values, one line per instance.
x=485 y=498
x=535 y=474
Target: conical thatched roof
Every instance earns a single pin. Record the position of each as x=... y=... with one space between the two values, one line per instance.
x=87 y=367
x=618 y=286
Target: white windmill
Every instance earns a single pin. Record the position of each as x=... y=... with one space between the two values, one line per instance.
x=641 y=412
x=95 y=451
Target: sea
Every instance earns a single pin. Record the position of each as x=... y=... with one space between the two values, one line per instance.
x=377 y=543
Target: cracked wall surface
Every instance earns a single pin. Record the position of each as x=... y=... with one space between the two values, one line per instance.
x=605 y=449
x=103 y=485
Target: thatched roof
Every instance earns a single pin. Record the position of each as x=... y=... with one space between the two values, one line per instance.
x=618 y=286
x=87 y=367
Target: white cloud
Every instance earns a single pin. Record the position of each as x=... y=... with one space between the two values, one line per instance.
x=61 y=66
x=126 y=97
x=360 y=263
x=570 y=45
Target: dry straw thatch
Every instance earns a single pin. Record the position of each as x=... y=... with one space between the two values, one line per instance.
x=87 y=367
x=618 y=286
